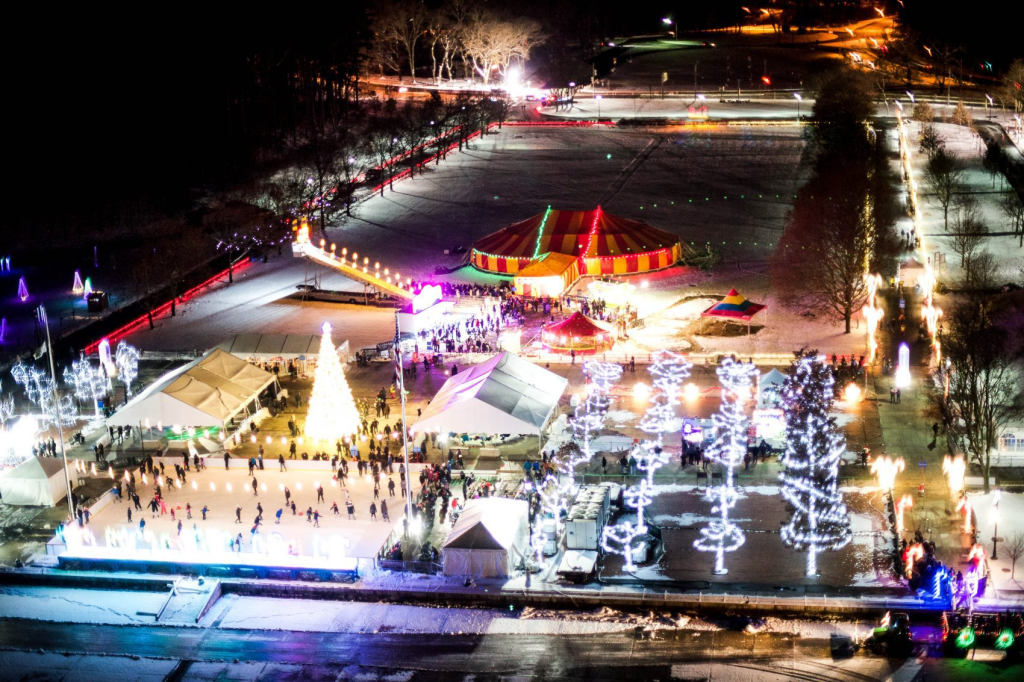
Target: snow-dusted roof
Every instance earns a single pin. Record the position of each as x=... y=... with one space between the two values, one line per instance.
x=208 y=391
x=506 y=394
x=487 y=523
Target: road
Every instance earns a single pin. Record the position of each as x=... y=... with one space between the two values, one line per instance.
x=596 y=656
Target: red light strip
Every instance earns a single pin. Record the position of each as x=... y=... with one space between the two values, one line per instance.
x=127 y=329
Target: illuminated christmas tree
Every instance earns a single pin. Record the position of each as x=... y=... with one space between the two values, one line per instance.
x=722 y=535
x=332 y=411
x=811 y=463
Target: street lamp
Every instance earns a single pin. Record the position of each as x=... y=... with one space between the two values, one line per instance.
x=675 y=29
x=530 y=492
x=598 y=98
x=911 y=96
x=989 y=103
x=799 y=99
x=995 y=517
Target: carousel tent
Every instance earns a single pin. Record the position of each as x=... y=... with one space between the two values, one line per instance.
x=769 y=387
x=209 y=391
x=36 y=482
x=277 y=347
x=577 y=332
x=604 y=244
x=505 y=395
x=489 y=539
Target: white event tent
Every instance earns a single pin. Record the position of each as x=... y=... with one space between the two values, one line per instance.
x=769 y=389
x=488 y=540
x=504 y=395
x=209 y=391
x=278 y=348
x=38 y=481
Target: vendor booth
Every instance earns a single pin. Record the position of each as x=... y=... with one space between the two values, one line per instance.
x=489 y=540
x=36 y=482
x=209 y=391
x=547 y=275
x=578 y=333
x=504 y=395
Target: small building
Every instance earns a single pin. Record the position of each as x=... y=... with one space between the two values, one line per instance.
x=548 y=275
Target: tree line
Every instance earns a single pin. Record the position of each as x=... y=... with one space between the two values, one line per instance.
x=842 y=225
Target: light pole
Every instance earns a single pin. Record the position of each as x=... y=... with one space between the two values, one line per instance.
x=598 y=98
x=988 y=103
x=675 y=29
x=528 y=485
x=799 y=99
x=995 y=517
x=405 y=424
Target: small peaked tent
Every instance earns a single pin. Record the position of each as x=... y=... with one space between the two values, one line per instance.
x=577 y=333
x=505 y=394
x=38 y=481
x=734 y=306
x=769 y=389
x=208 y=391
x=489 y=539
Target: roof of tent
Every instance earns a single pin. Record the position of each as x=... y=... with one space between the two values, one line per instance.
x=272 y=345
x=490 y=523
x=34 y=468
x=735 y=306
x=772 y=378
x=577 y=324
x=592 y=234
x=206 y=392
x=550 y=264
x=505 y=394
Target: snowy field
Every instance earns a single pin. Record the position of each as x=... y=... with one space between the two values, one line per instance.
x=362 y=537
x=730 y=186
x=681 y=510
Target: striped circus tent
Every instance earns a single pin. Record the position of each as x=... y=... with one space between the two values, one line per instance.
x=734 y=306
x=604 y=243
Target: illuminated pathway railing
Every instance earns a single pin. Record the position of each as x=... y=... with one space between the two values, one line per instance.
x=382 y=280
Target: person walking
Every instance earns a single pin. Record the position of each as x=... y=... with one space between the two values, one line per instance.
x=204 y=510
x=384 y=510
x=287 y=496
x=188 y=510
x=373 y=511
x=334 y=508
x=293 y=508
x=351 y=508
x=254 y=486
x=391 y=487
x=278 y=515
x=376 y=491
x=320 y=493
x=280 y=461
x=309 y=514
x=316 y=519
x=129 y=514
x=238 y=514
x=226 y=458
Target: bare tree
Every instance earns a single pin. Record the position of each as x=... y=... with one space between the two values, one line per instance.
x=1013 y=85
x=945 y=176
x=984 y=378
x=967 y=229
x=930 y=142
x=1013 y=209
x=993 y=162
x=923 y=113
x=403 y=23
x=1013 y=546
x=492 y=44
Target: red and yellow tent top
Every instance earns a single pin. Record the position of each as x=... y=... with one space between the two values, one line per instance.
x=606 y=244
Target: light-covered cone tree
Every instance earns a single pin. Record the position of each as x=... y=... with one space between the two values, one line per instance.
x=810 y=465
x=332 y=411
x=738 y=380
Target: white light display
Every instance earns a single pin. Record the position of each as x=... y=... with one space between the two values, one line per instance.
x=126 y=358
x=40 y=390
x=811 y=463
x=670 y=370
x=730 y=446
x=332 y=411
x=90 y=382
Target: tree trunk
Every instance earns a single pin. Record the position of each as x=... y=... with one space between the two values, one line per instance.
x=149 y=314
x=231 y=269
x=846 y=317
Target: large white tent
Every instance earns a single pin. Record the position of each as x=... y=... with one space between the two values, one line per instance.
x=38 y=481
x=505 y=395
x=278 y=347
x=209 y=391
x=490 y=538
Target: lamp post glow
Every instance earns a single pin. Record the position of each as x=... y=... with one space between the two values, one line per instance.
x=667 y=21
x=885 y=470
x=799 y=99
x=598 y=99
x=903 y=369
